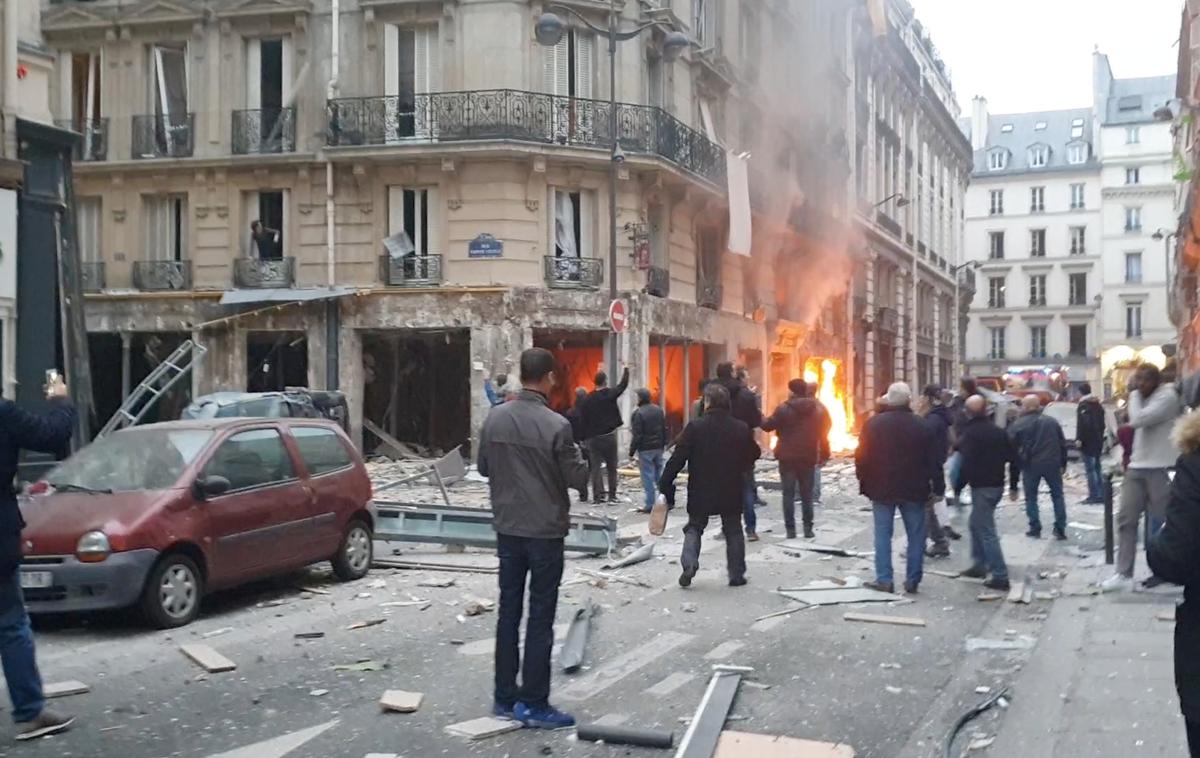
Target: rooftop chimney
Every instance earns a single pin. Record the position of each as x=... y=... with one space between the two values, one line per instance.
x=979 y=122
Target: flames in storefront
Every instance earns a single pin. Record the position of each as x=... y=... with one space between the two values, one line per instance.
x=824 y=373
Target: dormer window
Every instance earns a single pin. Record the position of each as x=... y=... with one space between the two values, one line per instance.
x=1039 y=126
x=997 y=160
x=1006 y=128
x=1039 y=156
x=1076 y=128
x=1077 y=152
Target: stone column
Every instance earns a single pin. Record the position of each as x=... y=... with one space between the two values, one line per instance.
x=872 y=335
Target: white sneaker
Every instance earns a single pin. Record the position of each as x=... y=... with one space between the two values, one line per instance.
x=1116 y=583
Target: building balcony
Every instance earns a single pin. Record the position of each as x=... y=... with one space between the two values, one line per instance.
x=411 y=270
x=887 y=222
x=709 y=295
x=267 y=130
x=887 y=320
x=573 y=273
x=91 y=274
x=168 y=136
x=486 y=115
x=159 y=276
x=658 y=281
x=93 y=144
x=260 y=274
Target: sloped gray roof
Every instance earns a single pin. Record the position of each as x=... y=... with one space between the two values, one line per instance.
x=1133 y=101
x=1024 y=134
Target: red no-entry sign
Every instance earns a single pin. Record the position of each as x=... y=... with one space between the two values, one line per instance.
x=617 y=317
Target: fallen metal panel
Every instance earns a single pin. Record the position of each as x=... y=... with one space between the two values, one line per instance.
x=842 y=595
x=700 y=740
x=453 y=525
x=575 y=645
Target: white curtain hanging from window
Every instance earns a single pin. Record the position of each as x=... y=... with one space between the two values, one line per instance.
x=564 y=225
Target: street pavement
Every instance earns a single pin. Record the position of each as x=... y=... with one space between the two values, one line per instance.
x=1096 y=682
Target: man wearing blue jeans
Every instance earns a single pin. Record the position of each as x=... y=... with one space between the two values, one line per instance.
x=529 y=456
x=48 y=433
x=986 y=450
x=1090 y=430
x=1042 y=450
x=895 y=463
x=649 y=426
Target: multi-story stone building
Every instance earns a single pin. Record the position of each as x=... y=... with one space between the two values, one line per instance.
x=1184 y=240
x=1033 y=230
x=449 y=122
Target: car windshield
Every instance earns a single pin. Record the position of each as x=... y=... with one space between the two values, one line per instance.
x=132 y=459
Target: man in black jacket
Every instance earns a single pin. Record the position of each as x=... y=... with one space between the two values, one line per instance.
x=575 y=416
x=48 y=433
x=530 y=460
x=744 y=407
x=895 y=461
x=601 y=419
x=1090 y=431
x=649 y=425
x=1043 y=452
x=799 y=449
x=719 y=451
x=966 y=388
x=986 y=449
x=1174 y=556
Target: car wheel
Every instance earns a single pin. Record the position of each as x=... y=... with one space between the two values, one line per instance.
x=173 y=591
x=353 y=558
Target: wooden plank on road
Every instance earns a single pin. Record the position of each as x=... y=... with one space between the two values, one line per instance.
x=212 y=661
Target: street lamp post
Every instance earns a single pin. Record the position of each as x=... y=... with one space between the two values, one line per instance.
x=1165 y=237
x=549 y=29
x=957 y=317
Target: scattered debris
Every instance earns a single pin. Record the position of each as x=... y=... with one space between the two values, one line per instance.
x=313 y=590
x=318 y=693
x=378 y=584
x=964 y=719
x=217 y=632
x=405 y=604
x=895 y=666
x=688 y=607
x=1168 y=616
x=979 y=743
x=705 y=728
x=987 y=597
x=482 y=728
x=939 y=572
x=427 y=566
x=982 y=689
x=613 y=577
x=112 y=728
x=872 y=618
x=1024 y=642
x=813 y=547
x=756 y=685
x=401 y=701
x=784 y=612
x=365 y=624
x=308 y=635
x=443 y=583
x=575 y=644
x=732 y=668
x=613 y=734
x=643 y=553
x=207 y=658
x=361 y=666
x=64 y=689
x=894 y=690
x=828 y=593
x=1085 y=527
x=1045 y=595
x=477 y=607
x=738 y=744
x=1016 y=593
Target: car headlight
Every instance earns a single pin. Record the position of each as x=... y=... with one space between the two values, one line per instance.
x=92 y=547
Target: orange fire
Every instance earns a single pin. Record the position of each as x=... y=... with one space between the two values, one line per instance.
x=823 y=371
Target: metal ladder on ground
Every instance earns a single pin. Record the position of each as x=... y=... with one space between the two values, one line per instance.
x=164 y=376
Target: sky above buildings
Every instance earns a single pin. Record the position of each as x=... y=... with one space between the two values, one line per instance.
x=1027 y=55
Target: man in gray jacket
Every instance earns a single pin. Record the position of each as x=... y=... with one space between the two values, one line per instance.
x=1042 y=449
x=1153 y=408
x=529 y=456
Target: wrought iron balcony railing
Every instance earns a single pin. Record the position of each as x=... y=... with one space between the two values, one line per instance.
x=268 y=130
x=658 y=281
x=709 y=295
x=166 y=136
x=92 y=275
x=93 y=144
x=525 y=116
x=573 y=273
x=259 y=273
x=411 y=270
x=153 y=276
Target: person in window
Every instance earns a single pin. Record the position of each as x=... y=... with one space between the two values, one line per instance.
x=264 y=240
x=46 y=433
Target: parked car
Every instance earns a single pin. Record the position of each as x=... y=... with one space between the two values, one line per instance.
x=294 y=402
x=156 y=516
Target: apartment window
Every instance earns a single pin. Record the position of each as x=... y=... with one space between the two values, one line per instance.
x=1037 y=243
x=411 y=69
x=165 y=227
x=1037 y=289
x=1039 y=156
x=1133 y=135
x=1039 y=126
x=1006 y=128
x=266 y=207
x=1077 y=344
x=85 y=101
x=168 y=96
x=1077 y=153
x=1037 y=342
x=997 y=202
x=1077 y=289
x=1133 y=175
x=701 y=21
x=997 y=338
x=1037 y=199
x=412 y=210
x=1076 y=128
x=1133 y=219
x=996 y=292
x=1133 y=320
x=996 y=246
x=997 y=160
x=1133 y=268
x=749 y=36
x=1078 y=240
x=1076 y=197
x=87 y=225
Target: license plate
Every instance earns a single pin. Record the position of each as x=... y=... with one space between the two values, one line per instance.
x=35 y=580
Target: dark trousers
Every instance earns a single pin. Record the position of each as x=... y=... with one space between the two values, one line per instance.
x=1031 y=477
x=792 y=477
x=542 y=561
x=17 y=651
x=1193 y=735
x=735 y=544
x=603 y=450
x=933 y=527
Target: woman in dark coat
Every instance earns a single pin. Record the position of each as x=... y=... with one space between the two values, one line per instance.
x=1174 y=556
x=719 y=451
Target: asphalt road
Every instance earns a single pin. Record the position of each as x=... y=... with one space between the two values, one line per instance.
x=886 y=690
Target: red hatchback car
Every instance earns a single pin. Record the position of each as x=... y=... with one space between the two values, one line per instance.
x=158 y=515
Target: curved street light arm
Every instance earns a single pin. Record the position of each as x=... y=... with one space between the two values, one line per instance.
x=620 y=36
